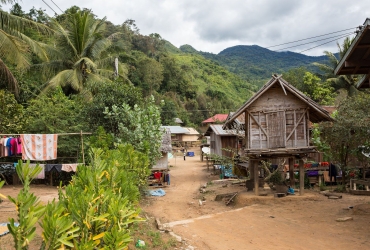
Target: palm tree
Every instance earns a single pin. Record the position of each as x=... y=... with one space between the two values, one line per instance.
x=81 y=57
x=347 y=82
x=16 y=47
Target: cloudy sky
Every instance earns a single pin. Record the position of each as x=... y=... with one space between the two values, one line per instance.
x=213 y=25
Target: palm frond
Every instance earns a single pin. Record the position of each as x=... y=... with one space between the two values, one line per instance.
x=64 y=78
x=10 y=23
x=7 y=77
x=13 y=50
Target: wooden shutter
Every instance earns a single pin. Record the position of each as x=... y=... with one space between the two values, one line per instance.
x=276 y=129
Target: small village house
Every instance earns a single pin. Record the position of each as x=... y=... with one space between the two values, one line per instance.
x=276 y=125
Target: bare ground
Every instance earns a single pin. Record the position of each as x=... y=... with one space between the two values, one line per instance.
x=264 y=222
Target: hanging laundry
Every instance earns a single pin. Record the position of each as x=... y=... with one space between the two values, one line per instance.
x=69 y=167
x=40 y=147
x=13 y=146
x=8 y=146
x=4 y=149
x=41 y=175
x=52 y=167
x=19 y=145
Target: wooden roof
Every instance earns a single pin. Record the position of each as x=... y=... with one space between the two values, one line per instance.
x=357 y=58
x=317 y=113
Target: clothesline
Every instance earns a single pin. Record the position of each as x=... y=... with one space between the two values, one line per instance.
x=82 y=133
x=30 y=151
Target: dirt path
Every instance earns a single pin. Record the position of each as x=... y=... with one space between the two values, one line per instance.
x=252 y=222
x=294 y=222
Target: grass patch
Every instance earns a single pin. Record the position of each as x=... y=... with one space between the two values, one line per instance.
x=153 y=238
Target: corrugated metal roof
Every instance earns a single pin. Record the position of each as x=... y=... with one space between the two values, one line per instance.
x=177 y=129
x=192 y=131
x=217 y=129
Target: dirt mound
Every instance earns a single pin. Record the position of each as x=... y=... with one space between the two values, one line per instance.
x=362 y=209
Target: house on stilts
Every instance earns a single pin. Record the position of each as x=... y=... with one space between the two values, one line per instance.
x=277 y=125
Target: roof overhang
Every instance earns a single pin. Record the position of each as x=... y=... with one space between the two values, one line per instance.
x=364 y=82
x=357 y=58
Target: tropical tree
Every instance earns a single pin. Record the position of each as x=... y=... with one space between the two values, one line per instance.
x=347 y=82
x=16 y=47
x=80 y=57
x=349 y=132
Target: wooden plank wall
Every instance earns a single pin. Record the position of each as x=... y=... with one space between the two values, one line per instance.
x=277 y=120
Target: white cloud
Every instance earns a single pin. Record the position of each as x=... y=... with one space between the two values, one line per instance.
x=213 y=25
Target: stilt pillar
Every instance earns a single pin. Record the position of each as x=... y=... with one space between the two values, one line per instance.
x=255 y=177
x=291 y=172
x=301 y=177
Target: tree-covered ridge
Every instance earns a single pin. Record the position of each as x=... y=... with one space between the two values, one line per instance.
x=256 y=64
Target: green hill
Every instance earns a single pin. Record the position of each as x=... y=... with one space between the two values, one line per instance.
x=256 y=64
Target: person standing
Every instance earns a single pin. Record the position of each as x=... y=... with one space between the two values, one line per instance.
x=184 y=155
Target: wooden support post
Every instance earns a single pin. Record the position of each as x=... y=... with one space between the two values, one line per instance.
x=301 y=177
x=82 y=148
x=255 y=167
x=291 y=172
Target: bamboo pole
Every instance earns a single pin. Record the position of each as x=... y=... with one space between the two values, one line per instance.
x=82 y=148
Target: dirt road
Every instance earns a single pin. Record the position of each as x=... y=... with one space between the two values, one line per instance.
x=264 y=222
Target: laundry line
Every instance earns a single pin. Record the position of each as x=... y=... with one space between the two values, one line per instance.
x=64 y=134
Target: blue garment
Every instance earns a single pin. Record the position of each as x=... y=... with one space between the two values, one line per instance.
x=8 y=145
x=157 y=192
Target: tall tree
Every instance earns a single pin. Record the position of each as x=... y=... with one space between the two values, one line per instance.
x=347 y=82
x=16 y=47
x=80 y=56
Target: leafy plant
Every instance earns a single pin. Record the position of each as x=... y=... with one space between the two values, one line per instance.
x=139 y=126
x=100 y=200
x=28 y=206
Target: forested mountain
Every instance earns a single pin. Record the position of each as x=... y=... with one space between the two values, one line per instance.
x=256 y=64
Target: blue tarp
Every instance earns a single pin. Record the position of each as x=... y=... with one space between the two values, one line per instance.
x=157 y=192
x=5 y=231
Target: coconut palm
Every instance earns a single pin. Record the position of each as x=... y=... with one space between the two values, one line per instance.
x=347 y=82
x=80 y=56
x=16 y=47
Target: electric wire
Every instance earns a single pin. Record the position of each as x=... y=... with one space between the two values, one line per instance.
x=50 y=7
x=347 y=34
x=57 y=6
x=311 y=37
x=323 y=44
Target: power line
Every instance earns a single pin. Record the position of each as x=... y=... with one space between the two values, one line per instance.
x=323 y=44
x=311 y=37
x=57 y=6
x=50 y=7
x=315 y=41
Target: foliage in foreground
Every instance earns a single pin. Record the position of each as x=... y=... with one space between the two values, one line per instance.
x=96 y=210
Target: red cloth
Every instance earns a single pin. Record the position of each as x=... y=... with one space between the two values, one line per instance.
x=13 y=146
x=157 y=175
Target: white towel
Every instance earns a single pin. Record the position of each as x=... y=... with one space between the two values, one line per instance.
x=39 y=147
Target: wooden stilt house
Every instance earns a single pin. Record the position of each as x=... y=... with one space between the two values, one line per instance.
x=277 y=123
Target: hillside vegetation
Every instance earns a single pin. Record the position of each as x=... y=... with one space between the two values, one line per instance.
x=256 y=64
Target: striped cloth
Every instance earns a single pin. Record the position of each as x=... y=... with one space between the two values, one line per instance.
x=39 y=147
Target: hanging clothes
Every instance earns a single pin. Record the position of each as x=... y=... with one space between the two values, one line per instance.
x=19 y=145
x=40 y=147
x=13 y=146
x=8 y=140
x=69 y=167
x=5 y=149
x=52 y=167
